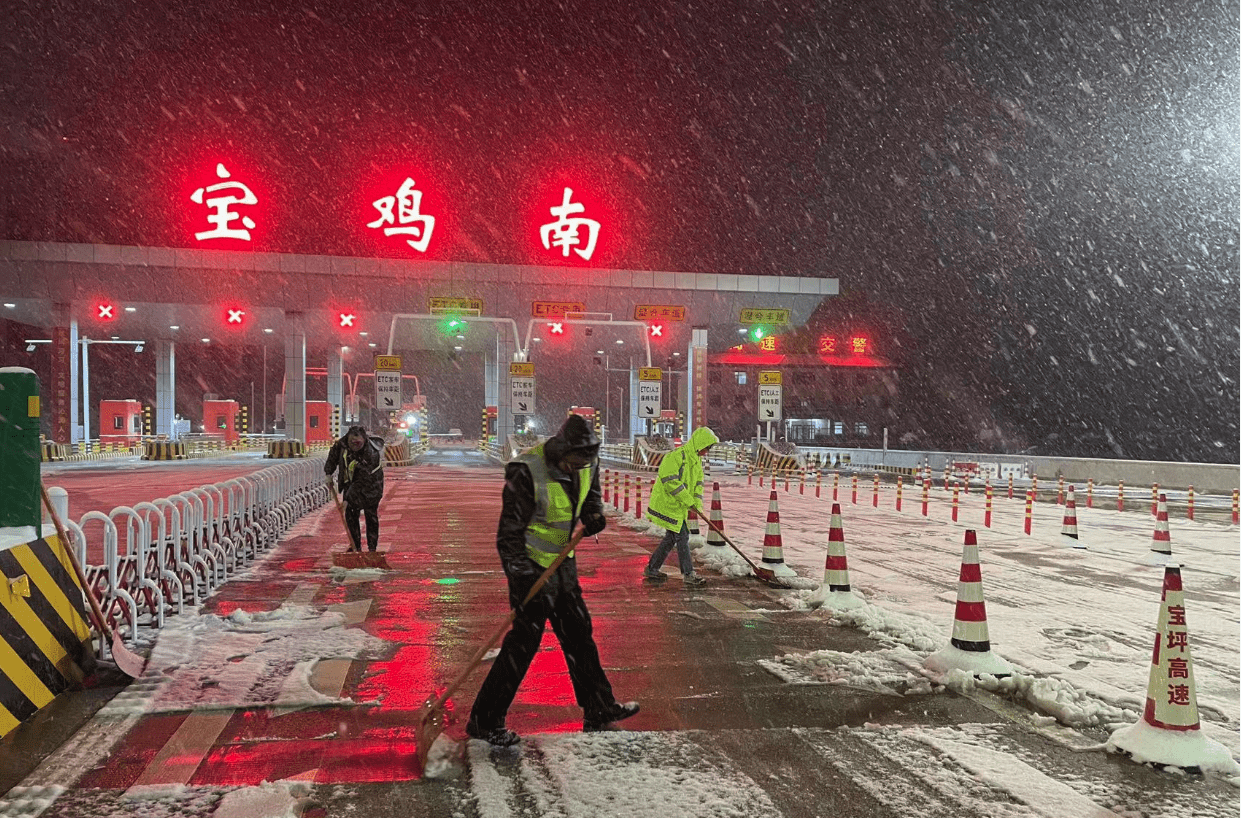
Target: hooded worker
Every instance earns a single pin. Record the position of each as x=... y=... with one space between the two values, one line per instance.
x=677 y=491
x=358 y=460
x=548 y=490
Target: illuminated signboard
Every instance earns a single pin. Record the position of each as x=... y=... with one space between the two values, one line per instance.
x=437 y=305
x=555 y=309
x=755 y=315
x=399 y=216
x=565 y=233
x=666 y=312
x=855 y=345
x=220 y=199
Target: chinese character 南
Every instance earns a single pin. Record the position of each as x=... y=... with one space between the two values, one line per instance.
x=563 y=232
x=407 y=220
x=1176 y=614
x=1178 y=639
x=827 y=345
x=1178 y=694
x=1178 y=668
x=223 y=216
x=859 y=345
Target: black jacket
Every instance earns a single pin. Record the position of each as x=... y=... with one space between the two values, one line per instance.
x=519 y=501
x=359 y=475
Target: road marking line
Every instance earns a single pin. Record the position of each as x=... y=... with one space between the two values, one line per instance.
x=185 y=751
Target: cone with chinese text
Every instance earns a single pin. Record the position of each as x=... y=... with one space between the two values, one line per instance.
x=970 y=649
x=1069 y=528
x=835 y=593
x=717 y=517
x=1161 y=540
x=1169 y=732
x=773 y=545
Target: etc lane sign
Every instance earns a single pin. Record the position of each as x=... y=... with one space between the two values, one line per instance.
x=521 y=376
x=770 y=396
x=650 y=392
x=388 y=382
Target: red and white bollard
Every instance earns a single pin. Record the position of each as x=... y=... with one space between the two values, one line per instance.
x=956 y=498
x=616 y=490
x=1090 y=493
x=626 y=509
x=1120 y=495
x=1060 y=491
x=835 y=485
x=926 y=495
x=986 y=519
x=1236 y=507
x=801 y=486
x=1010 y=485
x=786 y=481
x=606 y=474
x=1029 y=509
x=874 y=499
x=900 y=489
x=1154 y=499
x=1190 y=511
x=637 y=509
x=855 y=489
x=818 y=482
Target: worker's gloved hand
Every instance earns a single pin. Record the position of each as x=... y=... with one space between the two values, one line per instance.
x=594 y=523
x=520 y=567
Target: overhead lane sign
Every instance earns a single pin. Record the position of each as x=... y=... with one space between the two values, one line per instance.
x=555 y=309
x=650 y=392
x=388 y=382
x=770 y=396
x=521 y=376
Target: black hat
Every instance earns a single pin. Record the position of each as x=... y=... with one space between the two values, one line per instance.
x=578 y=435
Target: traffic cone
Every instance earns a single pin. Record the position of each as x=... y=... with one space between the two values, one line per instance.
x=1069 y=528
x=773 y=546
x=835 y=592
x=717 y=517
x=970 y=649
x=1161 y=540
x=1169 y=732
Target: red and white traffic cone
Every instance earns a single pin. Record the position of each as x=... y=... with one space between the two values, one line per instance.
x=1069 y=527
x=835 y=592
x=717 y=517
x=1169 y=732
x=773 y=545
x=1161 y=540
x=970 y=649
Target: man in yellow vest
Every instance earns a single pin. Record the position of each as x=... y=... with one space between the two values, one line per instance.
x=677 y=489
x=547 y=490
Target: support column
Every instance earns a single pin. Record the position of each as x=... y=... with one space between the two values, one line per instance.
x=637 y=425
x=696 y=374
x=294 y=377
x=75 y=350
x=165 y=388
x=505 y=420
x=63 y=389
x=335 y=370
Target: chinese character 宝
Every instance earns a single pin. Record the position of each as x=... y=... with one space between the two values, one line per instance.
x=223 y=216
x=563 y=232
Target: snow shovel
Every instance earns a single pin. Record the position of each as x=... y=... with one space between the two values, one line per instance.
x=431 y=714
x=355 y=557
x=765 y=574
x=130 y=663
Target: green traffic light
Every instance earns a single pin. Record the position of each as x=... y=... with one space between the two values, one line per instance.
x=758 y=333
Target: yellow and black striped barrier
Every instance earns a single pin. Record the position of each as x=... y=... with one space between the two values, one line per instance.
x=44 y=638
x=284 y=449
x=53 y=452
x=163 y=450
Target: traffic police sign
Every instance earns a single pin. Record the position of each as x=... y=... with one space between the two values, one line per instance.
x=650 y=392
x=521 y=376
x=770 y=396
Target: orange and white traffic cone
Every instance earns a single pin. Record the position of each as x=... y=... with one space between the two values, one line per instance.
x=773 y=545
x=1069 y=527
x=717 y=517
x=1161 y=540
x=970 y=649
x=1169 y=732
x=835 y=592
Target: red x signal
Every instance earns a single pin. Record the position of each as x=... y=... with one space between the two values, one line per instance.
x=236 y=316
x=106 y=312
x=656 y=330
x=556 y=328
x=347 y=319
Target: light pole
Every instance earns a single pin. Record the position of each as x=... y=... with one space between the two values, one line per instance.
x=85 y=344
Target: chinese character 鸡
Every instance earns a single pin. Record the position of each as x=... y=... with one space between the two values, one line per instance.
x=563 y=232
x=407 y=220
x=223 y=216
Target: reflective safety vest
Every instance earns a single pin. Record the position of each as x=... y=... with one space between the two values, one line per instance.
x=554 y=511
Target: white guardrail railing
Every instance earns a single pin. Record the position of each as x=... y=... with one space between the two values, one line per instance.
x=162 y=555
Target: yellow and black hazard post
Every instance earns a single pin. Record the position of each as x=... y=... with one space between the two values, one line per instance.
x=147 y=428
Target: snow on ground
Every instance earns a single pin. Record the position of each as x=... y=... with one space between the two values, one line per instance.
x=1076 y=618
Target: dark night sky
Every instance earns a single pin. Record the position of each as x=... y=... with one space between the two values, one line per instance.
x=1040 y=202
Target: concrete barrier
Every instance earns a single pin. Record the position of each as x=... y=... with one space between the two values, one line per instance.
x=164 y=450
x=285 y=449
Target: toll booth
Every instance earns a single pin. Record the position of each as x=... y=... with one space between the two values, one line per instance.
x=220 y=419
x=669 y=424
x=491 y=416
x=318 y=422
x=120 y=422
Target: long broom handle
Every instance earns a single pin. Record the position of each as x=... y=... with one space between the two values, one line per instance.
x=96 y=610
x=757 y=571
x=477 y=659
x=353 y=546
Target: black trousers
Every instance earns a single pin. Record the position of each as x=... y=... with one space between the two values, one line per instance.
x=352 y=513
x=560 y=602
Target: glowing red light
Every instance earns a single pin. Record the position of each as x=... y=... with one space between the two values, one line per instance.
x=767 y=344
x=235 y=317
x=827 y=345
x=347 y=319
x=556 y=328
x=859 y=345
x=105 y=312
x=656 y=330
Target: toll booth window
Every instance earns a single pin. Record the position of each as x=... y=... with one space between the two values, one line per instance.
x=314 y=421
x=740 y=376
x=118 y=422
x=137 y=424
x=839 y=428
x=861 y=429
x=220 y=422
